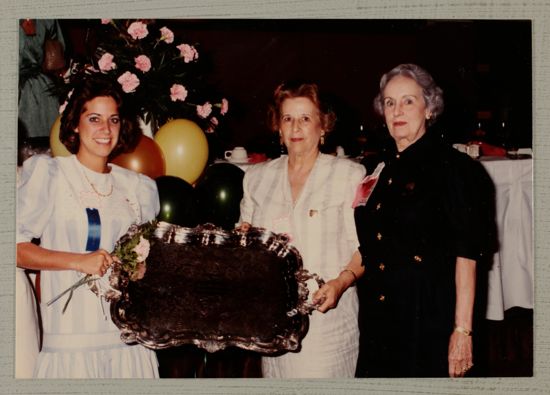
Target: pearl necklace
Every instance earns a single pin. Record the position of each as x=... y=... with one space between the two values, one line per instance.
x=94 y=188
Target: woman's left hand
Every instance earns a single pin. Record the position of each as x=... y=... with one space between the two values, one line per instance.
x=328 y=295
x=460 y=354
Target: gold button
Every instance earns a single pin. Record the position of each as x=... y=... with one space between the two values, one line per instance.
x=390 y=181
x=378 y=206
x=379 y=236
x=418 y=258
x=381 y=267
x=397 y=156
x=381 y=298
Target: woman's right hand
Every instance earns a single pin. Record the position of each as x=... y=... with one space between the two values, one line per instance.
x=244 y=227
x=96 y=262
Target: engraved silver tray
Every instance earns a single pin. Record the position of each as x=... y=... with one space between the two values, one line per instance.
x=216 y=288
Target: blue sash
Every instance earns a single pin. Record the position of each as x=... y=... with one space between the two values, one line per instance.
x=94 y=229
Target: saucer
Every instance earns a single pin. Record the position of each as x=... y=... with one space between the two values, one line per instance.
x=238 y=161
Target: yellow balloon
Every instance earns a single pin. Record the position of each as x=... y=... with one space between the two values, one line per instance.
x=57 y=147
x=185 y=149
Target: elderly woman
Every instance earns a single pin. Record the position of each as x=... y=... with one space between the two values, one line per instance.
x=79 y=206
x=420 y=234
x=308 y=195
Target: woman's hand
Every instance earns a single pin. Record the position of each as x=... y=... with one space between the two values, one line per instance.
x=460 y=354
x=460 y=344
x=244 y=227
x=329 y=294
x=96 y=262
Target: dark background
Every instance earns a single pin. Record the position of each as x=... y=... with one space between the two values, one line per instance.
x=483 y=66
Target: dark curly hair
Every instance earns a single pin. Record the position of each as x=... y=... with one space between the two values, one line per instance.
x=298 y=89
x=433 y=95
x=88 y=88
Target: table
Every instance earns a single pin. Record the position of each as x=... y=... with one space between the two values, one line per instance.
x=242 y=166
x=511 y=277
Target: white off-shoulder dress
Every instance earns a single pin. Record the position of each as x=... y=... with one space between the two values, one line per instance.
x=51 y=205
x=322 y=227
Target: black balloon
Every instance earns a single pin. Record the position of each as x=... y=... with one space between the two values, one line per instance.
x=219 y=195
x=178 y=204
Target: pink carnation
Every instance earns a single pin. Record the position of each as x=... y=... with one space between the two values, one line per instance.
x=204 y=110
x=166 y=35
x=141 y=269
x=90 y=68
x=225 y=107
x=106 y=21
x=142 y=249
x=214 y=121
x=138 y=30
x=63 y=106
x=143 y=63
x=188 y=52
x=178 y=92
x=106 y=63
x=129 y=82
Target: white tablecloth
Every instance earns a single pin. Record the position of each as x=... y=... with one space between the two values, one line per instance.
x=511 y=277
x=240 y=165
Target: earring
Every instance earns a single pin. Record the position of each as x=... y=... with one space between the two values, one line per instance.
x=282 y=147
x=322 y=140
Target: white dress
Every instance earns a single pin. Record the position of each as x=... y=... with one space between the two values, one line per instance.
x=27 y=340
x=51 y=205
x=322 y=227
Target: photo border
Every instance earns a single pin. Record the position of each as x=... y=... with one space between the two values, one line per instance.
x=535 y=10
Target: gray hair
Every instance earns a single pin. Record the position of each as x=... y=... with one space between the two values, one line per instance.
x=433 y=94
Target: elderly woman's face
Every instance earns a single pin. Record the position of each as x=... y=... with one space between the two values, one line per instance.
x=300 y=125
x=405 y=111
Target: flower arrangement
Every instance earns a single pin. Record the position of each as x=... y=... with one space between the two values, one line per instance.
x=159 y=73
x=365 y=188
x=132 y=250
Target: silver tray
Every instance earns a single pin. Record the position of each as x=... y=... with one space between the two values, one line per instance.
x=216 y=288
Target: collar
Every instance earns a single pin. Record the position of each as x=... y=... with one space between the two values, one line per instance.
x=421 y=148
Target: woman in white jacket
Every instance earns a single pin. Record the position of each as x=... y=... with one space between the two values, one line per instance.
x=308 y=195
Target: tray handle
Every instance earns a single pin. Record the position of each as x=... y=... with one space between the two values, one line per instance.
x=304 y=307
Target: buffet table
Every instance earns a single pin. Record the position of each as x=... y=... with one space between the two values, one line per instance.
x=511 y=277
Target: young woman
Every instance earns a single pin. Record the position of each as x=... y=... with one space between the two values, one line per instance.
x=79 y=206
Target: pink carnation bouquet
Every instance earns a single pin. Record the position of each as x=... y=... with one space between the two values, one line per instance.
x=158 y=71
x=132 y=250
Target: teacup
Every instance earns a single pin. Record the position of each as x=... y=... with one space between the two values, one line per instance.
x=237 y=154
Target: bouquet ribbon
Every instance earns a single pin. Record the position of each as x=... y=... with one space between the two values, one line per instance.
x=89 y=278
